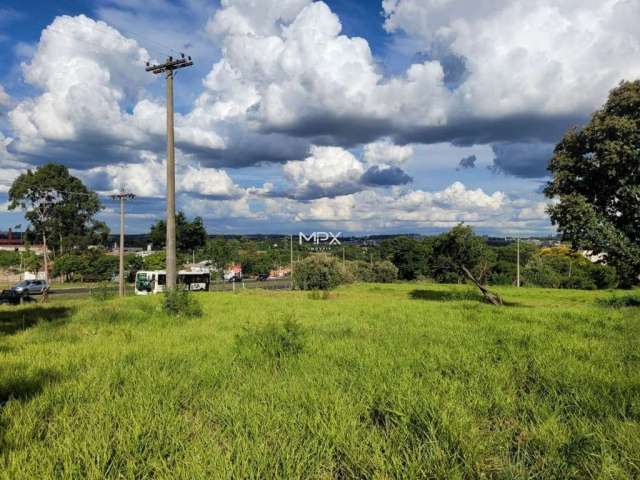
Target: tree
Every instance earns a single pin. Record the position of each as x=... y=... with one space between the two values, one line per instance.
x=407 y=254
x=460 y=247
x=189 y=235
x=58 y=205
x=596 y=180
x=70 y=266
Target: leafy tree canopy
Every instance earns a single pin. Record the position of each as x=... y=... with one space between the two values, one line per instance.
x=596 y=180
x=57 y=204
x=460 y=247
x=189 y=235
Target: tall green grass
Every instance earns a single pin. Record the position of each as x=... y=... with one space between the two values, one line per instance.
x=377 y=381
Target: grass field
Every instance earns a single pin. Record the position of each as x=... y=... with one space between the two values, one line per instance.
x=378 y=381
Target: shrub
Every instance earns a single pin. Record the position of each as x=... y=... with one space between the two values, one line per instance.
x=603 y=276
x=180 y=303
x=619 y=302
x=378 y=272
x=360 y=271
x=539 y=274
x=318 y=272
x=275 y=340
x=384 y=272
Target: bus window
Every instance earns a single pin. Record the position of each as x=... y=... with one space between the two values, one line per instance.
x=162 y=279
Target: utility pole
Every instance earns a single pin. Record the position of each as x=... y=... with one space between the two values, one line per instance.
x=518 y=263
x=122 y=196
x=291 y=259
x=168 y=67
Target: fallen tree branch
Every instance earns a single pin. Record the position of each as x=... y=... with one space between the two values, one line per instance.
x=490 y=297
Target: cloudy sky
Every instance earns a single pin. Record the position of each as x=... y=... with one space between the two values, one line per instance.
x=363 y=116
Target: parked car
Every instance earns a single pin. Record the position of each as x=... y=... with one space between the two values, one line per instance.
x=11 y=297
x=30 y=287
x=263 y=277
x=235 y=279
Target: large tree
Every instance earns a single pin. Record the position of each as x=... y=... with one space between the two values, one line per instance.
x=57 y=205
x=189 y=235
x=596 y=182
x=456 y=250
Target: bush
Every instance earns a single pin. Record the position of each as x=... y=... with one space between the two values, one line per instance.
x=620 y=302
x=378 y=272
x=273 y=340
x=537 y=273
x=318 y=272
x=180 y=303
x=603 y=276
x=360 y=271
x=384 y=272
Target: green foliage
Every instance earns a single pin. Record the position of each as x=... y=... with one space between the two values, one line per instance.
x=275 y=340
x=504 y=268
x=378 y=272
x=155 y=261
x=9 y=259
x=457 y=248
x=181 y=303
x=189 y=235
x=100 y=267
x=318 y=272
x=134 y=263
x=408 y=255
x=57 y=204
x=71 y=266
x=596 y=178
x=561 y=268
x=620 y=301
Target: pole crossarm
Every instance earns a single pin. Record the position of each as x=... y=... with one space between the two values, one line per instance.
x=170 y=65
x=126 y=196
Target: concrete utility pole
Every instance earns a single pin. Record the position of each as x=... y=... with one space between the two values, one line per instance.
x=168 y=67
x=122 y=196
x=291 y=259
x=518 y=263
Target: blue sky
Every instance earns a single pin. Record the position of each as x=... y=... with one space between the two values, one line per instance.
x=345 y=115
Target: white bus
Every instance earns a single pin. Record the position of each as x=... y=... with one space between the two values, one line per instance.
x=155 y=281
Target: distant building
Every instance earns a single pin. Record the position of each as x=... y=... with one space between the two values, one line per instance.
x=231 y=271
x=9 y=242
x=280 y=272
x=147 y=252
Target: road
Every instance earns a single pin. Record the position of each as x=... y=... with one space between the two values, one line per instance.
x=279 y=284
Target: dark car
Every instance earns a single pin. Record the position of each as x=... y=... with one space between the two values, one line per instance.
x=235 y=279
x=30 y=287
x=11 y=297
x=263 y=277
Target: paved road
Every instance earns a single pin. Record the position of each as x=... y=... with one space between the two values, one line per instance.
x=215 y=287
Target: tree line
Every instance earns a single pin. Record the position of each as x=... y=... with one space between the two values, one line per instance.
x=595 y=187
